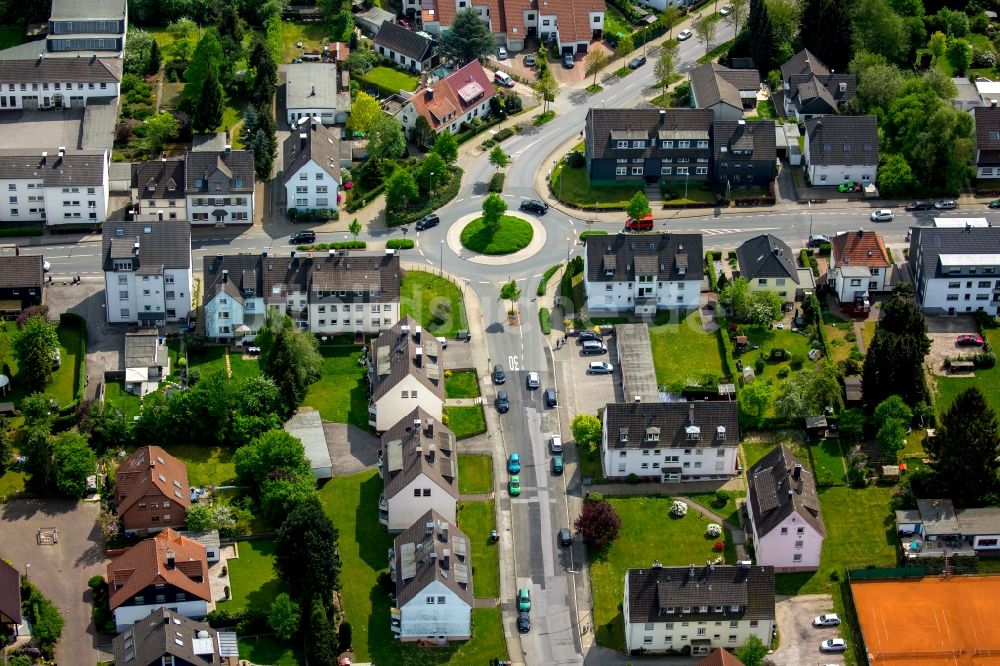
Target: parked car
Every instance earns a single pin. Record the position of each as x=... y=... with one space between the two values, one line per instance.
x=499 y=377
x=726 y=10
x=514 y=463
x=600 y=368
x=833 y=645
x=828 y=620
x=549 y=397
x=881 y=215
x=503 y=79
x=568 y=61
x=503 y=403
x=565 y=538
x=302 y=238
x=523 y=623
x=919 y=205
x=945 y=204
x=588 y=336
x=46 y=266
x=994 y=204
x=637 y=62
x=428 y=221
x=555 y=444
x=535 y=206
x=557 y=465
x=818 y=239
x=514 y=485
x=849 y=186
x=533 y=381
x=523 y=600
x=529 y=59
x=969 y=340
x=593 y=348
x=683 y=35
x=501 y=53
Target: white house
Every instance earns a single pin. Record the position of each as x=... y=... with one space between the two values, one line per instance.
x=158 y=190
x=841 y=149
x=785 y=521
x=987 y=159
x=418 y=465
x=810 y=89
x=405 y=371
x=311 y=91
x=859 y=267
x=57 y=83
x=644 y=273
x=78 y=29
x=956 y=270
x=431 y=565
x=147 y=362
x=768 y=264
x=406 y=48
x=166 y=571
x=219 y=186
x=350 y=292
x=458 y=98
x=697 y=608
x=671 y=441
x=233 y=296
x=311 y=167
x=147 y=272
x=57 y=186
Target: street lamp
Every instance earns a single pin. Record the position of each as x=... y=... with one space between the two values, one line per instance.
x=687 y=175
x=441 y=265
x=430 y=183
x=810 y=218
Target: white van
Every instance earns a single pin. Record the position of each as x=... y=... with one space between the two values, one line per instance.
x=503 y=79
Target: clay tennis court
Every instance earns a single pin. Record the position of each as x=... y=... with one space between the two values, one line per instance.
x=930 y=621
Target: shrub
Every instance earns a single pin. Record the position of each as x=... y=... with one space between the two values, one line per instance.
x=575 y=160
x=632 y=478
x=344 y=636
x=595 y=232
x=719 y=546
x=678 y=508
x=984 y=360
x=400 y=244
x=496 y=182
x=759 y=365
x=713 y=530
x=545 y=280
x=545 y=320
x=795 y=362
x=783 y=372
x=95 y=582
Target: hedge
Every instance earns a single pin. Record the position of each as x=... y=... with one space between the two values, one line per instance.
x=400 y=244
x=496 y=182
x=441 y=196
x=355 y=204
x=545 y=279
x=79 y=382
x=809 y=260
x=317 y=215
x=30 y=230
x=596 y=232
x=342 y=245
x=501 y=135
x=544 y=319
x=710 y=257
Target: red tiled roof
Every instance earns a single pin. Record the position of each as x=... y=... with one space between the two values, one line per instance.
x=573 y=18
x=150 y=466
x=720 y=658
x=447 y=101
x=859 y=248
x=339 y=51
x=10 y=593
x=145 y=564
x=514 y=16
x=444 y=12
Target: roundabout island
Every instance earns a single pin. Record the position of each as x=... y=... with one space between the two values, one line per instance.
x=509 y=235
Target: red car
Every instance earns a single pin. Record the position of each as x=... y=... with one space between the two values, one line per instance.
x=969 y=340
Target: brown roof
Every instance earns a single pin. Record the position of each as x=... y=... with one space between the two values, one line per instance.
x=712 y=83
x=311 y=141
x=514 y=15
x=720 y=658
x=453 y=95
x=675 y=424
x=335 y=278
x=774 y=492
x=432 y=549
x=146 y=563
x=158 y=179
x=69 y=70
x=10 y=593
x=165 y=632
x=394 y=356
x=987 y=135
x=659 y=594
x=859 y=248
x=409 y=450
x=22 y=271
x=147 y=468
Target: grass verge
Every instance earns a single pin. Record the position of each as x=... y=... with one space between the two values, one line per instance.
x=433 y=301
x=462 y=384
x=465 y=421
x=475 y=473
x=478 y=520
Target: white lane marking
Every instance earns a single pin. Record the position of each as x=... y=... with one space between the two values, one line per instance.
x=516 y=154
x=460 y=200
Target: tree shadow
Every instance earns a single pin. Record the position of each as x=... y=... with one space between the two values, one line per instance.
x=33 y=508
x=94 y=554
x=372 y=538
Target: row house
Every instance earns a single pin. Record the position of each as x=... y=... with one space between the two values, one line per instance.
x=58 y=83
x=311 y=167
x=405 y=371
x=158 y=190
x=219 y=186
x=57 y=187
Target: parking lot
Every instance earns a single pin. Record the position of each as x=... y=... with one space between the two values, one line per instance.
x=799 y=638
x=943 y=331
x=592 y=392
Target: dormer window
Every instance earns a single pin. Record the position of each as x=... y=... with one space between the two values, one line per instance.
x=639 y=144
x=847 y=147
x=670 y=610
x=652 y=434
x=621 y=144
x=692 y=432
x=623 y=435
x=720 y=433
x=666 y=144
x=199 y=183
x=171 y=185
x=702 y=609
x=734 y=608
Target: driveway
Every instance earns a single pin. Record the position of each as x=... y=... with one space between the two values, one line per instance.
x=799 y=639
x=942 y=331
x=60 y=570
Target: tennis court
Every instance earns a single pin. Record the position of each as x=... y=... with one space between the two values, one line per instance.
x=930 y=621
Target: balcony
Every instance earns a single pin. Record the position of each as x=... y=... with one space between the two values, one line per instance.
x=383 y=510
x=396 y=619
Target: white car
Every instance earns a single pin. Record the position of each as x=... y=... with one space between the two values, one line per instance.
x=833 y=645
x=882 y=215
x=501 y=53
x=600 y=368
x=684 y=35
x=555 y=444
x=46 y=266
x=534 y=381
x=945 y=204
x=828 y=620
x=726 y=11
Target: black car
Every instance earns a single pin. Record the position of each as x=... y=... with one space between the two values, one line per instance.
x=586 y=336
x=523 y=622
x=498 y=374
x=549 y=397
x=565 y=538
x=303 y=237
x=428 y=221
x=503 y=404
x=637 y=62
x=534 y=206
x=919 y=205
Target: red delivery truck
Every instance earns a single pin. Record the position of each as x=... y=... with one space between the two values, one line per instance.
x=642 y=224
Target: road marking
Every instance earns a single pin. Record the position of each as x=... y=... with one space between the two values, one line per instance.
x=536 y=275
x=477 y=196
x=485 y=282
x=460 y=200
x=526 y=147
x=430 y=262
x=421 y=251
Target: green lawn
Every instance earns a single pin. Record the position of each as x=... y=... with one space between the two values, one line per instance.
x=314 y=36
x=727 y=509
x=253 y=580
x=614 y=23
x=65 y=381
x=352 y=504
x=340 y=395
x=683 y=353
x=243 y=368
x=389 y=81
x=678 y=192
x=10 y=482
x=206 y=466
x=463 y=384
x=465 y=421
x=128 y=404
x=647 y=534
x=269 y=650
x=571 y=186
x=435 y=302
x=829 y=462
x=841 y=339
x=478 y=520
x=11 y=37
x=987 y=381
x=765 y=110
x=795 y=344
x=511 y=234
x=475 y=473
x=752 y=452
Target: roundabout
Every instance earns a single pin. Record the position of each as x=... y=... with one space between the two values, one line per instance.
x=471 y=228
x=510 y=235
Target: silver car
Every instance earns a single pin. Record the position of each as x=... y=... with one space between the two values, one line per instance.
x=533 y=380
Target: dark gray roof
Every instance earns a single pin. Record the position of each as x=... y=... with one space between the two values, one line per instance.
x=646 y=123
x=24 y=271
x=674 y=424
x=766 y=256
x=77 y=168
x=87 y=9
x=10 y=592
x=332 y=277
x=239 y=275
x=162 y=245
x=99 y=117
x=668 y=256
x=68 y=70
x=159 y=179
x=404 y=42
x=821 y=94
x=712 y=83
x=234 y=164
x=653 y=592
x=409 y=450
x=740 y=139
x=164 y=632
x=394 y=356
x=143 y=351
x=774 y=492
x=987 y=135
x=837 y=140
x=311 y=141
x=927 y=244
x=416 y=568
x=803 y=63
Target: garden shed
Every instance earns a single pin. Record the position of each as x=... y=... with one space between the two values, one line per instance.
x=816 y=426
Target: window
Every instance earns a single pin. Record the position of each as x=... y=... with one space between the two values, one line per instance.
x=122 y=279
x=123 y=295
x=427 y=492
x=682 y=171
x=441 y=600
x=647 y=640
x=428 y=600
x=703 y=144
x=683 y=144
x=621 y=144
x=798 y=544
x=637 y=171
x=797 y=557
x=701 y=171
x=666 y=144
x=784 y=530
x=621 y=171
x=124 y=313
x=665 y=171
x=639 y=144
x=416 y=491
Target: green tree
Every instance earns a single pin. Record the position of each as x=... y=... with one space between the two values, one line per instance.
x=345 y=24
x=206 y=115
x=586 y=430
x=275 y=454
x=306 y=551
x=365 y=112
x=138 y=47
x=736 y=298
x=960 y=55
x=638 y=206
x=895 y=359
x=545 y=88
x=290 y=357
x=825 y=29
x=74 y=462
x=35 y=345
x=755 y=398
x=793 y=401
x=624 y=46
x=937 y=45
x=280 y=496
x=35 y=444
x=230 y=24
x=893 y=407
x=433 y=170
x=764 y=46
x=387 y=141
x=321 y=642
x=207 y=55
x=737 y=14
x=963 y=451
x=494 y=208
x=878 y=85
x=263 y=160
x=595 y=61
x=200 y=517
x=46 y=622
x=469 y=38
x=160 y=129
x=753 y=652
x=666 y=64
x=764 y=307
x=153 y=64
x=422 y=133
x=878 y=29
x=354 y=228
x=446 y=146
x=510 y=292
x=891 y=438
x=37 y=410
x=705 y=28
x=400 y=190
x=284 y=616
x=265 y=70
x=6 y=445
x=852 y=425
x=499 y=158
x=895 y=177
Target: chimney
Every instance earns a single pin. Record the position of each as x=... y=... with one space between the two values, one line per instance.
x=293 y=254
x=691 y=413
x=45 y=156
x=312 y=93
x=430 y=427
x=170 y=559
x=416 y=333
x=434 y=556
x=225 y=277
x=843 y=86
x=419 y=355
x=416 y=424
x=429 y=93
x=797 y=471
x=993 y=104
x=741 y=122
x=303 y=138
x=861 y=233
x=637 y=399
x=431 y=451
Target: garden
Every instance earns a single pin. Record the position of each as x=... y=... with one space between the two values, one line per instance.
x=478 y=520
x=68 y=380
x=389 y=81
x=465 y=421
x=434 y=301
x=475 y=473
x=461 y=384
x=570 y=184
x=986 y=379
x=254 y=581
x=686 y=355
x=341 y=395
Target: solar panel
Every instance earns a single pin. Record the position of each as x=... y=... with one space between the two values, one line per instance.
x=382 y=360
x=433 y=371
x=430 y=345
x=460 y=545
x=408 y=560
x=395 y=455
x=767 y=492
x=470 y=91
x=461 y=574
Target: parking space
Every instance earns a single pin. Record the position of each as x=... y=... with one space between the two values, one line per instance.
x=944 y=332
x=799 y=638
x=593 y=391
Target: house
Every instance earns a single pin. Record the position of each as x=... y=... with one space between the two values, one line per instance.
x=405 y=371
x=671 y=441
x=77 y=30
x=372 y=19
x=21 y=282
x=744 y=155
x=311 y=91
x=989 y=91
x=859 y=265
x=786 y=526
x=405 y=48
x=431 y=565
x=726 y=92
x=768 y=264
x=38 y=82
x=648 y=145
x=645 y=273
x=312 y=167
x=166 y=571
x=841 y=149
x=956 y=270
x=219 y=186
x=233 y=296
x=720 y=657
x=147 y=362
x=811 y=90
x=936 y=529
x=458 y=98
x=307 y=427
x=697 y=608
x=56 y=186
x=165 y=637
x=158 y=190
x=10 y=601
x=987 y=121
x=151 y=491
x=147 y=272
x=419 y=467
x=966 y=95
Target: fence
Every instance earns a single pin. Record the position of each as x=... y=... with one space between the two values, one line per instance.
x=889 y=573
